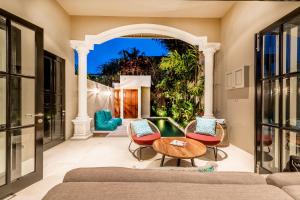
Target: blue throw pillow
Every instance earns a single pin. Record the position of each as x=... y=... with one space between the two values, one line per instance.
x=141 y=127
x=206 y=126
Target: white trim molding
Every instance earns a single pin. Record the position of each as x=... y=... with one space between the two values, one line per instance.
x=82 y=122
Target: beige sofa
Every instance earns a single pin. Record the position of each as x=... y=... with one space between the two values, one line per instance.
x=137 y=184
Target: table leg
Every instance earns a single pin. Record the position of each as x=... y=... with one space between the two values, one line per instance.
x=178 y=162
x=193 y=162
x=162 y=160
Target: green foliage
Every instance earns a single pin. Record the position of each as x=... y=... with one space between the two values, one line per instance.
x=181 y=85
x=177 y=79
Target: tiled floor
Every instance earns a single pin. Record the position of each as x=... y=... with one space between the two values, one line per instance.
x=112 y=151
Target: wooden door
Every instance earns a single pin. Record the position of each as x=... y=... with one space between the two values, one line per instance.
x=130 y=100
x=117 y=102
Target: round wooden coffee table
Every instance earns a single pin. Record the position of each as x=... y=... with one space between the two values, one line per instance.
x=193 y=149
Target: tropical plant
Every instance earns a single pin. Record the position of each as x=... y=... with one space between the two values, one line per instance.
x=182 y=85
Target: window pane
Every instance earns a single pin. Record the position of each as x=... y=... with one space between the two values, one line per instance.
x=290 y=146
x=270 y=148
x=22 y=101
x=2 y=44
x=2 y=158
x=271 y=54
x=2 y=102
x=291 y=46
x=291 y=102
x=23 y=50
x=22 y=152
x=270 y=102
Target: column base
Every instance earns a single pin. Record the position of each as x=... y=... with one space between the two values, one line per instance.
x=82 y=128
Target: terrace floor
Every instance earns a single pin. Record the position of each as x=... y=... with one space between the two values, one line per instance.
x=112 y=151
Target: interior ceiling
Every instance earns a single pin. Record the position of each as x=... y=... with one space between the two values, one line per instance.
x=147 y=8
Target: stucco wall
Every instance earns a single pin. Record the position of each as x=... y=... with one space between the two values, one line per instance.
x=237 y=39
x=99 y=97
x=146 y=103
x=56 y=23
x=82 y=25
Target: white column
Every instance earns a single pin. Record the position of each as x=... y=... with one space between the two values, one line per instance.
x=209 y=81
x=140 y=102
x=82 y=123
x=121 y=102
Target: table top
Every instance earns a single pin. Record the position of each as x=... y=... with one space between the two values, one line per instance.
x=192 y=149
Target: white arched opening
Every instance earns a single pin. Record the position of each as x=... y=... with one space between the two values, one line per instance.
x=82 y=121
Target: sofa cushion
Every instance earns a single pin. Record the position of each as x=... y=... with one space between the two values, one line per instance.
x=119 y=174
x=106 y=126
x=162 y=191
x=293 y=191
x=205 y=126
x=108 y=115
x=146 y=139
x=100 y=116
x=284 y=179
x=141 y=127
x=117 y=121
x=205 y=139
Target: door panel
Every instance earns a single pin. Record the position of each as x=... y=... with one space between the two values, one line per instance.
x=21 y=108
x=277 y=94
x=130 y=103
x=117 y=103
x=54 y=78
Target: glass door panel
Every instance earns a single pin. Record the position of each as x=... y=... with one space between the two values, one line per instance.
x=3 y=44
x=270 y=102
x=291 y=46
x=270 y=52
x=290 y=146
x=2 y=158
x=270 y=148
x=22 y=152
x=23 y=50
x=2 y=101
x=22 y=101
x=58 y=126
x=291 y=102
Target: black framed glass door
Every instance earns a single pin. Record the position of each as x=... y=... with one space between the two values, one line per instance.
x=277 y=94
x=21 y=103
x=54 y=100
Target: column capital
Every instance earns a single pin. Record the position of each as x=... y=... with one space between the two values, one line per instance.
x=80 y=46
x=211 y=48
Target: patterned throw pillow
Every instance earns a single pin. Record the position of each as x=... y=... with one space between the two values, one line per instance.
x=206 y=126
x=141 y=127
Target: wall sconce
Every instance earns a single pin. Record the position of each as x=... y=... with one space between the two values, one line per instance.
x=94 y=90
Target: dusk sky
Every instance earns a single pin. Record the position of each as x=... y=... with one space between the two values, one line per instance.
x=104 y=52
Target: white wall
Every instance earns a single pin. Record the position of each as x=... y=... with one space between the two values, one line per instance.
x=237 y=39
x=99 y=97
x=82 y=25
x=56 y=23
x=146 y=102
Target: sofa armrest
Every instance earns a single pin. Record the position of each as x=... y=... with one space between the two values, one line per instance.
x=284 y=179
